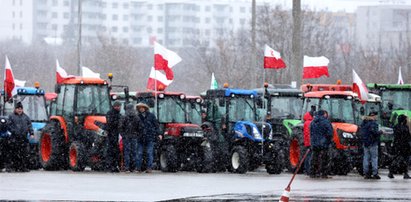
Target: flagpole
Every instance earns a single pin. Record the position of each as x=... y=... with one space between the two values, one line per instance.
x=155 y=91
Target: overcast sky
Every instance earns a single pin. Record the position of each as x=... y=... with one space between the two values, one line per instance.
x=341 y=5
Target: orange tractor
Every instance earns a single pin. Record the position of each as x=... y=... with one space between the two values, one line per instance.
x=74 y=136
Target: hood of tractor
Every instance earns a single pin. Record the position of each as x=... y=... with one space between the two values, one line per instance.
x=396 y=113
x=248 y=130
x=37 y=127
x=387 y=134
x=345 y=136
x=183 y=129
x=90 y=122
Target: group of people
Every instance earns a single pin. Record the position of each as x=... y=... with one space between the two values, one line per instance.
x=139 y=130
x=318 y=133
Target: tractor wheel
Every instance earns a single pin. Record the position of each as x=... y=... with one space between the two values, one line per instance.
x=205 y=165
x=296 y=152
x=77 y=156
x=239 y=160
x=339 y=163
x=52 y=154
x=168 y=159
x=33 y=158
x=275 y=166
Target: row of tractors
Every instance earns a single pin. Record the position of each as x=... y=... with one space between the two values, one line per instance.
x=70 y=125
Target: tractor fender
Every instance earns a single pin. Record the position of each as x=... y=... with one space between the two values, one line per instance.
x=63 y=126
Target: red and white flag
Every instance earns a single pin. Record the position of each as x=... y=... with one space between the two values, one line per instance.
x=165 y=60
x=61 y=74
x=315 y=67
x=400 y=80
x=359 y=87
x=9 y=84
x=157 y=79
x=88 y=73
x=272 y=58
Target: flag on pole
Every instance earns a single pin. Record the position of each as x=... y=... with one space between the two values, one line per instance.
x=214 y=84
x=9 y=84
x=61 y=74
x=272 y=58
x=315 y=67
x=400 y=80
x=359 y=87
x=156 y=77
x=88 y=73
x=165 y=60
x=19 y=83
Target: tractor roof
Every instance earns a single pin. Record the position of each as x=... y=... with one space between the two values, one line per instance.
x=226 y=92
x=192 y=97
x=153 y=93
x=122 y=95
x=325 y=87
x=320 y=94
x=29 y=91
x=50 y=96
x=84 y=80
x=280 y=91
x=389 y=86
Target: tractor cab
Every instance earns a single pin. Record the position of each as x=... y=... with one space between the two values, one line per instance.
x=193 y=109
x=396 y=100
x=74 y=136
x=338 y=101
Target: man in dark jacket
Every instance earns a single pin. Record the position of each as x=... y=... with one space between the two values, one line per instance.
x=321 y=132
x=19 y=127
x=402 y=147
x=113 y=129
x=150 y=132
x=370 y=136
x=130 y=132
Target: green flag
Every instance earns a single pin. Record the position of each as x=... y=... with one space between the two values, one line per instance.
x=214 y=84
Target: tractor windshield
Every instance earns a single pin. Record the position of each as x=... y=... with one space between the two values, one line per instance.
x=399 y=99
x=171 y=110
x=241 y=109
x=194 y=112
x=34 y=106
x=93 y=99
x=339 y=109
x=288 y=107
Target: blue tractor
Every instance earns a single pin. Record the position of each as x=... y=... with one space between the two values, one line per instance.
x=245 y=143
x=34 y=105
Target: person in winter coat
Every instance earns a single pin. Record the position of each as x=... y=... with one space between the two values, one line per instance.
x=321 y=132
x=113 y=129
x=402 y=147
x=130 y=131
x=308 y=117
x=370 y=137
x=19 y=127
x=150 y=132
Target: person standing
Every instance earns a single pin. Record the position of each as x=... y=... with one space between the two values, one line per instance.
x=19 y=127
x=370 y=136
x=131 y=130
x=308 y=117
x=113 y=129
x=402 y=147
x=321 y=132
x=150 y=132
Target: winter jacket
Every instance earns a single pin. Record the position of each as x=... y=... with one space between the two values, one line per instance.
x=307 y=121
x=130 y=125
x=321 y=132
x=113 y=123
x=402 y=140
x=369 y=132
x=150 y=128
x=19 y=126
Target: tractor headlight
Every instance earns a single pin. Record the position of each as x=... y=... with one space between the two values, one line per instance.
x=347 y=135
x=256 y=134
x=101 y=132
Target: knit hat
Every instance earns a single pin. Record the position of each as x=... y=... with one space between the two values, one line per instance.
x=116 y=104
x=18 y=105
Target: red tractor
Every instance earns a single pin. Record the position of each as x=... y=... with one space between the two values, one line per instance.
x=183 y=146
x=74 y=136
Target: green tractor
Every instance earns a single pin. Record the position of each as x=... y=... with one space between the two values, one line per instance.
x=396 y=100
x=282 y=109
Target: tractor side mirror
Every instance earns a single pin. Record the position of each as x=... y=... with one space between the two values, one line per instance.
x=150 y=103
x=221 y=103
x=259 y=103
x=57 y=89
x=362 y=111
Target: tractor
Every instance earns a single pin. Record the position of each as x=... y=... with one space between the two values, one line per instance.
x=75 y=137
x=283 y=104
x=245 y=143
x=338 y=101
x=396 y=100
x=183 y=146
x=34 y=105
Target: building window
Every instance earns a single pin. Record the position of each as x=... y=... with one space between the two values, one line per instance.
x=242 y=21
x=125 y=29
x=207 y=20
x=103 y=16
x=137 y=40
x=104 y=5
x=54 y=27
x=160 y=7
x=13 y=26
x=149 y=18
x=160 y=30
x=160 y=18
x=54 y=15
x=115 y=17
x=242 y=9
x=21 y=26
x=21 y=14
x=66 y=15
x=114 y=29
x=66 y=3
x=14 y=2
x=207 y=8
x=125 y=5
x=149 y=6
x=149 y=30
x=125 y=41
x=21 y=2
x=55 y=3
x=115 y=5
x=13 y=14
x=125 y=17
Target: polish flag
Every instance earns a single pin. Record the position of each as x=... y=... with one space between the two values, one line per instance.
x=158 y=79
x=88 y=73
x=315 y=67
x=272 y=58
x=61 y=74
x=359 y=87
x=9 y=84
x=165 y=59
x=400 y=80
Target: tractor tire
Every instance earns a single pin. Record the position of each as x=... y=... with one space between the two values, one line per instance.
x=168 y=159
x=275 y=166
x=33 y=158
x=339 y=163
x=295 y=153
x=239 y=160
x=206 y=163
x=52 y=152
x=77 y=156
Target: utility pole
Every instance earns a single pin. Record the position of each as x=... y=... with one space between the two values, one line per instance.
x=79 y=37
x=253 y=50
x=297 y=57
